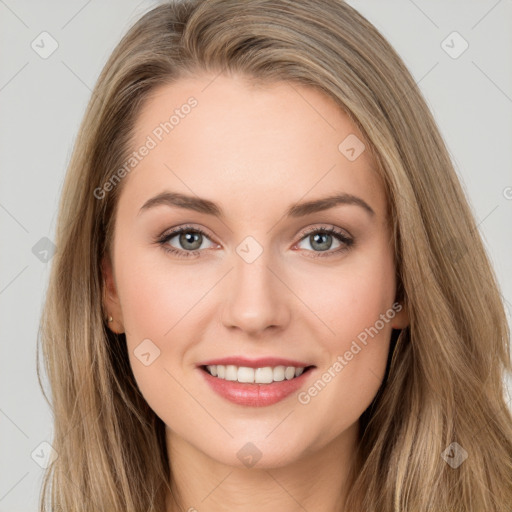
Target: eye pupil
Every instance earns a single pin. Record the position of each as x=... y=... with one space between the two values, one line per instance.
x=190 y=237
x=323 y=246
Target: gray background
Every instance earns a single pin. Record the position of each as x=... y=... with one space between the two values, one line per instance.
x=42 y=101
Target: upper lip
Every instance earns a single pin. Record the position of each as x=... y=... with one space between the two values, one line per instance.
x=255 y=363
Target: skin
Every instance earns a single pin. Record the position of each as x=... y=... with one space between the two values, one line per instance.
x=255 y=151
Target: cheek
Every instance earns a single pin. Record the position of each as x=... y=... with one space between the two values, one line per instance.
x=356 y=346
x=362 y=300
x=154 y=302
x=155 y=296
x=351 y=298
x=356 y=304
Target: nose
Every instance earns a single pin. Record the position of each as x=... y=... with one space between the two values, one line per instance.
x=256 y=297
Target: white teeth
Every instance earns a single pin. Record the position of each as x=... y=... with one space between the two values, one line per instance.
x=289 y=372
x=279 y=373
x=231 y=372
x=245 y=374
x=264 y=375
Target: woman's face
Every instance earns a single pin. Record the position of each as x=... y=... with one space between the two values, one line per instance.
x=265 y=280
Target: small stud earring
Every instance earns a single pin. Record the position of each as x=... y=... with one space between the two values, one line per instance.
x=110 y=319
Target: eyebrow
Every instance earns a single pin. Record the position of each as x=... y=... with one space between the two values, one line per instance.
x=208 y=207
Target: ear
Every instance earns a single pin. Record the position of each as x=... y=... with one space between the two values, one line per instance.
x=111 y=304
x=401 y=318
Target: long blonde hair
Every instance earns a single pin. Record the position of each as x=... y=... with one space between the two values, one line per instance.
x=444 y=382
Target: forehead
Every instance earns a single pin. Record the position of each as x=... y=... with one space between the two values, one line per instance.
x=248 y=145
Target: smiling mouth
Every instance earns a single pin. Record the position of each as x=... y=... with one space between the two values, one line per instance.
x=263 y=375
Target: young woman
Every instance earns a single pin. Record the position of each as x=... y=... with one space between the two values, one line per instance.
x=269 y=291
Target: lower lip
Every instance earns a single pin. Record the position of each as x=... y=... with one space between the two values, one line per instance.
x=255 y=395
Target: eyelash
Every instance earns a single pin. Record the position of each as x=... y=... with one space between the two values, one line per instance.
x=341 y=237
